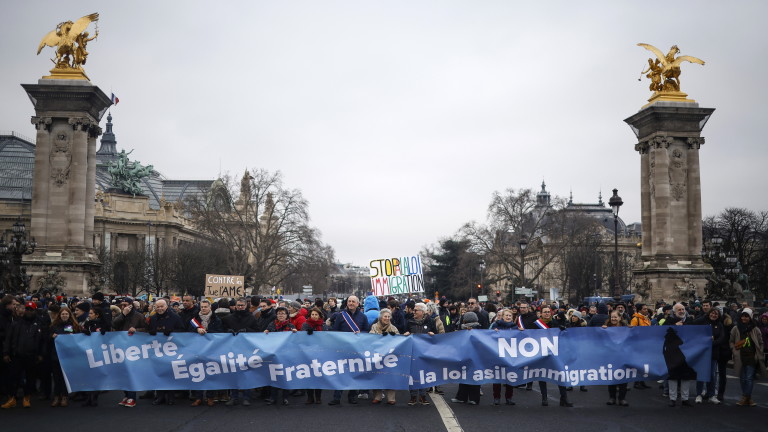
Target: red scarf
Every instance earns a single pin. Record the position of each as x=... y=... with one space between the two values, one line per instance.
x=315 y=324
x=282 y=325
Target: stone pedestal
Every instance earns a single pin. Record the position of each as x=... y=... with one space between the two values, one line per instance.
x=67 y=115
x=669 y=140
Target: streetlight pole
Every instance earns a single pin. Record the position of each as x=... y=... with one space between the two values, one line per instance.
x=615 y=202
x=523 y=243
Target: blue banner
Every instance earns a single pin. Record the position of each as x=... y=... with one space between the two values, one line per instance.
x=328 y=360
x=576 y=356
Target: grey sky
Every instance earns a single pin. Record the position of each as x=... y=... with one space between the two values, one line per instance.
x=398 y=119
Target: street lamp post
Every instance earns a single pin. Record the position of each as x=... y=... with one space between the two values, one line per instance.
x=481 y=264
x=615 y=202
x=11 y=254
x=523 y=243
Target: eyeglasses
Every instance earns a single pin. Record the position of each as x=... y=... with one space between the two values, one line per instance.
x=471 y=303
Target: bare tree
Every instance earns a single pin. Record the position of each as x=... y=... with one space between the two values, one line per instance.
x=262 y=226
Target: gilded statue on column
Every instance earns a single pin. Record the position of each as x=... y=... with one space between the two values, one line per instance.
x=70 y=40
x=664 y=73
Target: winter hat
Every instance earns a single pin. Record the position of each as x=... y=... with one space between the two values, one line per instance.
x=98 y=296
x=84 y=306
x=296 y=305
x=602 y=308
x=577 y=314
x=469 y=317
x=30 y=305
x=747 y=311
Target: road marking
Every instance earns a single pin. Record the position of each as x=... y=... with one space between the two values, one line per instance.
x=446 y=413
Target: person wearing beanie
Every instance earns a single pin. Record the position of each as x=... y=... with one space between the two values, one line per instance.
x=746 y=344
x=98 y=300
x=297 y=315
x=81 y=312
x=600 y=317
x=468 y=393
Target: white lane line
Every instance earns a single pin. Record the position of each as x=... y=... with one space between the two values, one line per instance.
x=446 y=413
x=753 y=381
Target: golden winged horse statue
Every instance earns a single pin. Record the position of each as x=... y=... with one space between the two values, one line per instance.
x=664 y=73
x=71 y=39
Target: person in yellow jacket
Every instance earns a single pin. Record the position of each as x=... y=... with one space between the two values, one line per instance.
x=640 y=318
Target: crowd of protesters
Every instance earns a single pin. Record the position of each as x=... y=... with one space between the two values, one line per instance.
x=29 y=326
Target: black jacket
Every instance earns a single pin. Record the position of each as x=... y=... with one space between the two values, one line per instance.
x=424 y=326
x=186 y=316
x=266 y=317
x=133 y=319
x=241 y=322
x=26 y=338
x=166 y=323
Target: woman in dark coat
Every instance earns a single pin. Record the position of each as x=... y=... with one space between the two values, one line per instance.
x=315 y=322
x=614 y=399
x=94 y=324
x=64 y=324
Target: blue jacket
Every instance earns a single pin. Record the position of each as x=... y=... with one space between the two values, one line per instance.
x=340 y=324
x=371 y=307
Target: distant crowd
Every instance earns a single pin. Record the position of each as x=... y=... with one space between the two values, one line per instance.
x=29 y=326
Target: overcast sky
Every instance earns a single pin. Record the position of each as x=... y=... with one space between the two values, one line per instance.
x=399 y=119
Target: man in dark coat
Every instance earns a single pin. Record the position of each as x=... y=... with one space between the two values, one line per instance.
x=24 y=347
x=164 y=321
x=189 y=310
x=351 y=319
x=266 y=313
x=99 y=301
x=241 y=320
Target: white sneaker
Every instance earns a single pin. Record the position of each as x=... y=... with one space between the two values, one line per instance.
x=714 y=400
x=699 y=399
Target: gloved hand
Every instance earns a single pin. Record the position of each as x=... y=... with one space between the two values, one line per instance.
x=562 y=327
x=103 y=331
x=392 y=334
x=384 y=333
x=167 y=333
x=310 y=331
x=86 y=332
x=153 y=332
x=234 y=332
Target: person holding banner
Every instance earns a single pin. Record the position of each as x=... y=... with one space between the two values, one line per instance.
x=546 y=321
x=506 y=322
x=314 y=323
x=164 y=321
x=468 y=393
x=131 y=321
x=63 y=324
x=421 y=323
x=616 y=320
x=280 y=324
x=204 y=322
x=351 y=319
x=240 y=321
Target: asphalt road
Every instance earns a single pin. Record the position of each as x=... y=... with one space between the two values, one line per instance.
x=648 y=411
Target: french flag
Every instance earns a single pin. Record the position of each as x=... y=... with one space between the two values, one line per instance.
x=115 y=99
x=195 y=323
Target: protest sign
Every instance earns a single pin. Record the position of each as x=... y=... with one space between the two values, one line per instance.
x=398 y=275
x=224 y=286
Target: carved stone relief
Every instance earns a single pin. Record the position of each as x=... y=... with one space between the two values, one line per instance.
x=678 y=174
x=60 y=157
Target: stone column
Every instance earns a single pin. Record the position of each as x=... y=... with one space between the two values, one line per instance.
x=67 y=114
x=669 y=138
